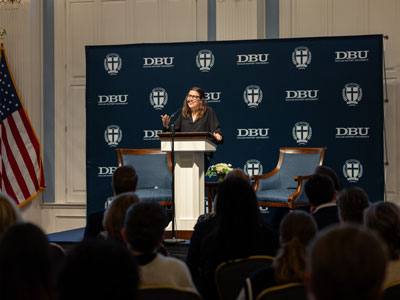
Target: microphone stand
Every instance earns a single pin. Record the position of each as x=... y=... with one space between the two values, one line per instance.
x=173 y=233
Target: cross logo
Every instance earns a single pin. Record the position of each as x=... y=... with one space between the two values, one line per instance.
x=253 y=167
x=158 y=98
x=301 y=57
x=352 y=170
x=352 y=94
x=113 y=135
x=112 y=63
x=252 y=95
x=302 y=132
x=205 y=60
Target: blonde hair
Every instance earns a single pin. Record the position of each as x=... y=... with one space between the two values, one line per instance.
x=114 y=216
x=9 y=213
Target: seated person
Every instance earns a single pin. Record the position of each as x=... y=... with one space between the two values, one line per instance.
x=9 y=213
x=320 y=192
x=351 y=204
x=297 y=229
x=239 y=232
x=384 y=218
x=345 y=262
x=143 y=232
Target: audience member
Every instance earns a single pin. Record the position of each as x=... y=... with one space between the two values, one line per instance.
x=345 y=263
x=9 y=213
x=327 y=171
x=205 y=224
x=320 y=191
x=384 y=218
x=239 y=232
x=351 y=204
x=114 y=216
x=98 y=269
x=297 y=229
x=26 y=265
x=124 y=180
x=143 y=231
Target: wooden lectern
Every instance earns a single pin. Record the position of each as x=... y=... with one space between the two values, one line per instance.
x=189 y=148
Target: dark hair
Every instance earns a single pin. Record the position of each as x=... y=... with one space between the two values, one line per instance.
x=351 y=204
x=346 y=262
x=237 y=213
x=203 y=104
x=384 y=217
x=26 y=265
x=327 y=171
x=297 y=229
x=319 y=189
x=99 y=269
x=124 y=179
x=114 y=217
x=145 y=223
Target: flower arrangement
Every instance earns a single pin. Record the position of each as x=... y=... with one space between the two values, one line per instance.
x=220 y=170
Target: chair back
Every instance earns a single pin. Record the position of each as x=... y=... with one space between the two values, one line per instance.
x=229 y=276
x=392 y=291
x=154 y=171
x=287 y=291
x=166 y=293
x=294 y=162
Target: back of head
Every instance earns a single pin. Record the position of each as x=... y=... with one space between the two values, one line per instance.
x=236 y=207
x=297 y=229
x=239 y=173
x=319 y=189
x=114 y=216
x=98 y=269
x=327 y=171
x=26 y=265
x=144 y=226
x=351 y=204
x=384 y=218
x=346 y=262
x=9 y=213
x=124 y=180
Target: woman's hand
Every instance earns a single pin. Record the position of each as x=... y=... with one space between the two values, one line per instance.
x=165 y=121
x=217 y=136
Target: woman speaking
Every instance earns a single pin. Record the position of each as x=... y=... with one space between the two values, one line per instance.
x=196 y=116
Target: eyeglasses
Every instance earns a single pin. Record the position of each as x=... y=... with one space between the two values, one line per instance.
x=195 y=97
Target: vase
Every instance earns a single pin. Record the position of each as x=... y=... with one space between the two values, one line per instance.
x=221 y=177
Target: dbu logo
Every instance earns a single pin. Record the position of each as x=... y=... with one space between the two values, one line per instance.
x=352 y=94
x=253 y=167
x=106 y=171
x=158 y=98
x=352 y=170
x=252 y=133
x=112 y=63
x=352 y=132
x=205 y=60
x=302 y=132
x=301 y=95
x=113 y=100
x=252 y=95
x=158 y=62
x=349 y=56
x=301 y=57
x=113 y=135
x=252 y=59
x=151 y=134
x=213 y=97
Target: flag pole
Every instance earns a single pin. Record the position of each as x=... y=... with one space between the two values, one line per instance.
x=3 y=33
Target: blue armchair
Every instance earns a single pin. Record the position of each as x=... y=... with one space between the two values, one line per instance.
x=154 y=170
x=283 y=187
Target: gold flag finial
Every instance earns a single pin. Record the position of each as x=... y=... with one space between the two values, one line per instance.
x=3 y=33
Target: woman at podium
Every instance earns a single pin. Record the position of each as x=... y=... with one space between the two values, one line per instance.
x=196 y=116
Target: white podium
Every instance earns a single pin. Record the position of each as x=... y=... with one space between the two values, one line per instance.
x=189 y=148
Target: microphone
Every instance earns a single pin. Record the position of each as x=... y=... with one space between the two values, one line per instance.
x=172 y=117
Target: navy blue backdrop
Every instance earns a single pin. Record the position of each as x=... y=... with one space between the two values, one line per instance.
x=308 y=92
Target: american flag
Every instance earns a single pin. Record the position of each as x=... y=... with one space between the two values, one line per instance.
x=21 y=175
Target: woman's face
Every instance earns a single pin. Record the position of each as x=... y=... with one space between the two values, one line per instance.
x=193 y=100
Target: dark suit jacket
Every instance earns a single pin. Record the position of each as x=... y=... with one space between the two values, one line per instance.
x=94 y=224
x=326 y=216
